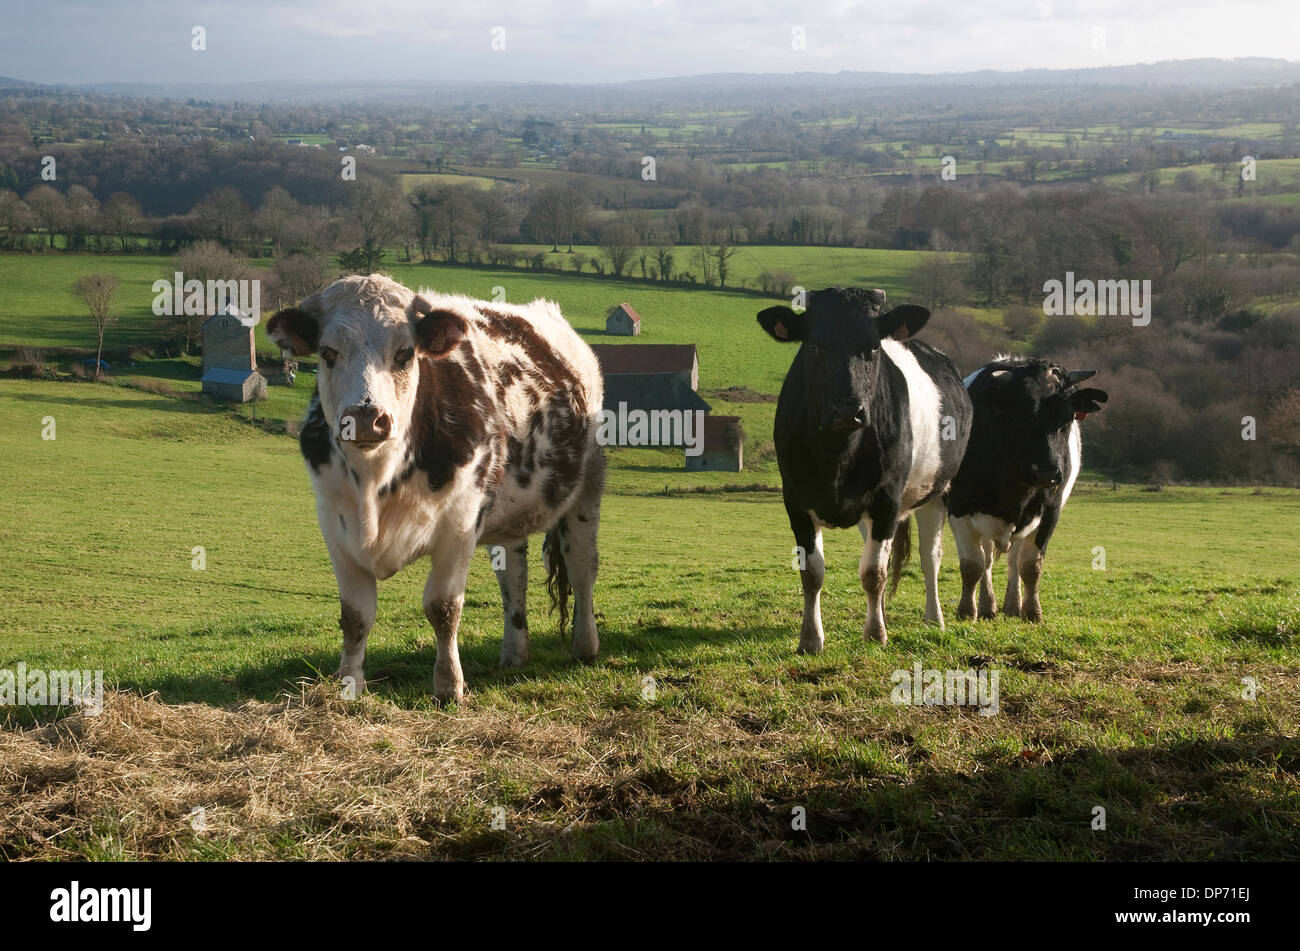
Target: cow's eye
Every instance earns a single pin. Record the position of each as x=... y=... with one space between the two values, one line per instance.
x=403 y=357
x=329 y=355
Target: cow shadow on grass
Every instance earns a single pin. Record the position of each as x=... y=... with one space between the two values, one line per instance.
x=1186 y=800
x=404 y=675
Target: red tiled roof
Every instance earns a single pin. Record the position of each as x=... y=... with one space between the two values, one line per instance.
x=626 y=308
x=644 y=357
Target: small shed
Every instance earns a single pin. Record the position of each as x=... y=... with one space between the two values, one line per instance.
x=650 y=376
x=230 y=359
x=623 y=321
x=724 y=446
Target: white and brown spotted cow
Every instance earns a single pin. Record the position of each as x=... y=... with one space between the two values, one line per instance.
x=441 y=423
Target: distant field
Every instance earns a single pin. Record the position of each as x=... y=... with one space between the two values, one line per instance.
x=1269 y=173
x=413 y=180
x=812 y=267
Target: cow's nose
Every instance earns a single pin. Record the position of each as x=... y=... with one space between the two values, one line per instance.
x=1045 y=476
x=845 y=414
x=369 y=424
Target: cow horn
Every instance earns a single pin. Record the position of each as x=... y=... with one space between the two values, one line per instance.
x=1075 y=377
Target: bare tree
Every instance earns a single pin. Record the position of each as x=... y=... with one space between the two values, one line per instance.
x=15 y=219
x=120 y=216
x=274 y=216
x=49 y=209
x=97 y=290
x=379 y=211
x=618 y=241
x=224 y=216
x=721 y=253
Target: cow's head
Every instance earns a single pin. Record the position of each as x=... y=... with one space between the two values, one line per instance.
x=373 y=335
x=841 y=331
x=1025 y=404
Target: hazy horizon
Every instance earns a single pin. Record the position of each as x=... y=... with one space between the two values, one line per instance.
x=597 y=41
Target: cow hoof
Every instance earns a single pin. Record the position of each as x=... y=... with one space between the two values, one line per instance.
x=585 y=658
x=450 y=698
x=1011 y=610
x=354 y=683
x=988 y=614
x=810 y=647
x=449 y=693
x=880 y=637
x=934 y=622
x=513 y=659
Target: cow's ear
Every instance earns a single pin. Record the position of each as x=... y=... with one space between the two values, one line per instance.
x=295 y=329
x=902 y=322
x=437 y=331
x=782 y=323
x=1087 y=401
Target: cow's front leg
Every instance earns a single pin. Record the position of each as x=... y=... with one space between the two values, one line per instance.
x=1011 y=600
x=872 y=569
x=444 y=597
x=357 y=602
x=1031 y=570
x=970 y=558
x=812 y=575
x=512 y=577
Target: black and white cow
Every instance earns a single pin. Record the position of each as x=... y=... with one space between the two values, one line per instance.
x=1019 y=469
x=870 y=426
x=441 y=423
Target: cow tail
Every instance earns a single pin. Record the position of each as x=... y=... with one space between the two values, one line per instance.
x=900 y=553
x=557 y=576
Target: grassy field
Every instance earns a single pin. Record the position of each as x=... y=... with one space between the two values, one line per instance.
x=1129 y=697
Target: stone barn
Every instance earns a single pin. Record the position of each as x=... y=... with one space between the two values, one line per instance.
x=623 y=321
x=230 y=359
x=650 y=376
x=724 y=446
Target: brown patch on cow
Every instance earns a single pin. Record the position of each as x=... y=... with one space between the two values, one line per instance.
x=444 y=616
x=352 y=625
x=450 y=420
x=472 y=364
x=507 y=373
x=519 y=622
x=314 y=438
x=553 y=372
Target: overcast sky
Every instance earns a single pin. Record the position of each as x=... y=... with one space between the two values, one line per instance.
x=611 y=40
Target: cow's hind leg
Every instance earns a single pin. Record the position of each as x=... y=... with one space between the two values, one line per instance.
x=970 y=558
x=1011 y=600
x=872 y=568
x=929 y=525
x=512 y=577
x=444 y=598
x=577 y=536
x=812 y=575
x=988 y=603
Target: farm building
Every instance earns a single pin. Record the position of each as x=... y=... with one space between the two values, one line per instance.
x=650 y=376
x=724 y=446
x=230 y=359
x=623 y=321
